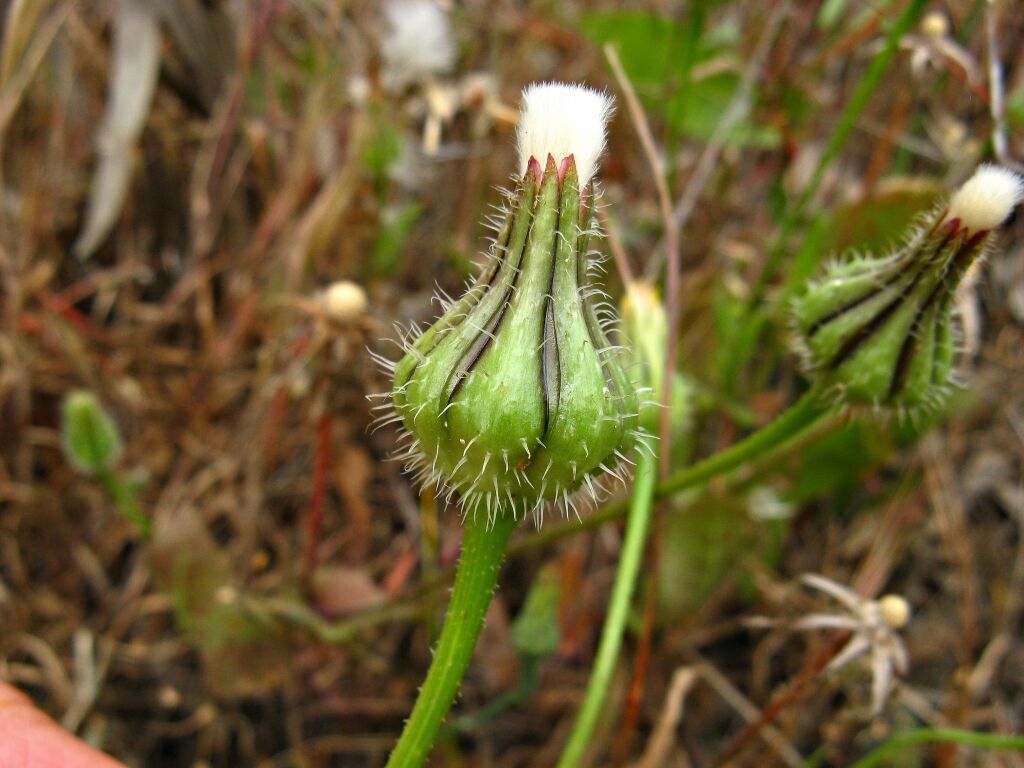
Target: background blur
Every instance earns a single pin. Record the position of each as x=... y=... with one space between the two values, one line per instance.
x=182 y=181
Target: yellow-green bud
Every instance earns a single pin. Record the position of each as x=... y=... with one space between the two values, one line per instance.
x=645 y=329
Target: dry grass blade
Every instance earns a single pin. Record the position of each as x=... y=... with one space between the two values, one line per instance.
x=657 y=751
x=19 y=25
x=15 y=83
x=205 y=36
x=135 y=65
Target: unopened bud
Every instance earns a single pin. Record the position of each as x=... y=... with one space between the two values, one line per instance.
x=344 y=301
x=645 y=329
x=895 y=610
x=514 y=397
x=879 y=331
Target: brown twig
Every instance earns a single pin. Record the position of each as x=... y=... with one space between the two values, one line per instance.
x=737 y=109
x=315 y=519
x=615 y=246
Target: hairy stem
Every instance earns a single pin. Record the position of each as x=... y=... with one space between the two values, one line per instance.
x=622 y=593
x=483 y=549
x=805 y=422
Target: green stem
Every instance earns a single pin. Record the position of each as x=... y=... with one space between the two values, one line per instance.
x=806 y=421
x=622 y=593
x=806 y=413
x=932 y=735
x=483 y=549
x=124 y=498
x=798 y=416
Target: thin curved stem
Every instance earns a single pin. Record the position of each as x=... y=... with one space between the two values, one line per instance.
x=807 y=420
x=622 y=593
x=809 y=412
x=483 y=549
x=899 y=742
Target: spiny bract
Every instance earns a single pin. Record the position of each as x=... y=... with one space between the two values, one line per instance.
x=514 y=398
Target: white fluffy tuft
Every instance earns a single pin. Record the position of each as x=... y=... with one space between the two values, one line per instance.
x=987 y=198
x=418 y=41
x=563 y=119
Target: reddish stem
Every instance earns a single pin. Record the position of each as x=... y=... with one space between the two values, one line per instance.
x=315 y=520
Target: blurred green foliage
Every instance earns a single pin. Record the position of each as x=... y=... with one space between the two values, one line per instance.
x=91 y=441
x=685 y=73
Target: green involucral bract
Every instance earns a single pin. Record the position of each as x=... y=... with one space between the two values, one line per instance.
x=880 y=330
x=514 y=397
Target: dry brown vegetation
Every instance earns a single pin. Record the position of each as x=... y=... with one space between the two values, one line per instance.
x=283 y=610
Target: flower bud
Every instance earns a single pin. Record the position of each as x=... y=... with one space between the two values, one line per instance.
x=344 y=301
x=894 y=610
x=645 y=328
x=514 y=397
x=880 y=331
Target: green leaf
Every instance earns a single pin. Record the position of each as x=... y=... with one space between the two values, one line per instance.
x=1015 y=107
x=536 y=631
x=711 y=539
x=88 y=435
x=661 y=55
x=395 y=227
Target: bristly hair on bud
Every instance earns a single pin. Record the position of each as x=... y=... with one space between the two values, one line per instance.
x=882 y=331
x=986 y=199
x=515 y=399
x=563 y=119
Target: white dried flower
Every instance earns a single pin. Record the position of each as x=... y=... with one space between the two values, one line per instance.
x=874 y=625
x=935 y=47
x=418 y=43
x=987 y=198
x=562 y=119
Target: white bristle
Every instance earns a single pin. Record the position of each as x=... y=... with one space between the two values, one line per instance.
x=563 y=119
x=987 y=198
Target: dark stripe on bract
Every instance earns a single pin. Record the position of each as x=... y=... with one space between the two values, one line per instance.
x=550 y=374
x=898 y=272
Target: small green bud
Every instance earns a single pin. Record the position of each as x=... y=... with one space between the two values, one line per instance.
x=645 y=328
x=514 y=397
x=880 y=331
x=90 y=439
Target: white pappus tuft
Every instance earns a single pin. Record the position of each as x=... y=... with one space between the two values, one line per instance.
x=418 y=41
x=563 y=119
x=986 y=199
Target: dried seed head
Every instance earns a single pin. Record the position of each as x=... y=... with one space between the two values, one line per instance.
x=514 y=397
x=986 y=200
x=935 y=25
x=880 y=331
x=560 y=120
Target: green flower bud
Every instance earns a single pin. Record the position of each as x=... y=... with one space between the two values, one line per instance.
x=880 y=331
x=645 y=327
x=514 y=397
x=89 y=436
